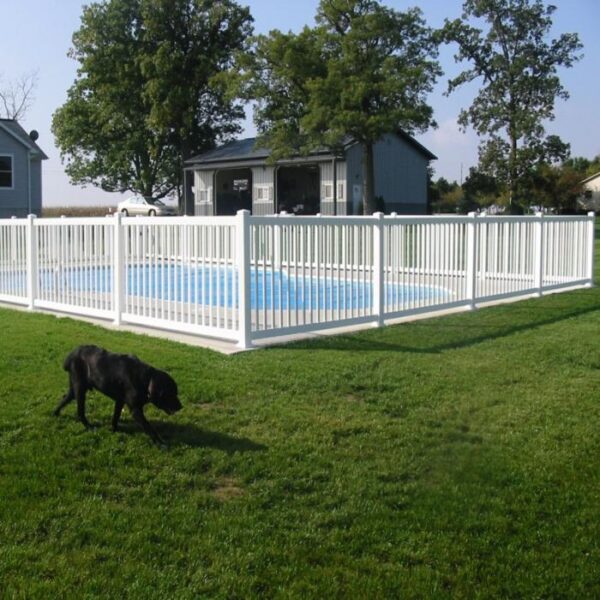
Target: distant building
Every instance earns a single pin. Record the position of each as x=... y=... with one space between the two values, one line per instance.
x=20 y=171
x=238 y=176
x=591 y=194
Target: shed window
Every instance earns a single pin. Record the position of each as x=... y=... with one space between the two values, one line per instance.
x=202 y=197
x=264 y=193
x=6 y=171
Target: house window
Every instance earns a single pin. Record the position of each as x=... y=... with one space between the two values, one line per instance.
x=6 y=171
x=340 y=193
x=328 y=189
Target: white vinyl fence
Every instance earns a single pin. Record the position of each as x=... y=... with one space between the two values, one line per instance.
x=247 y=278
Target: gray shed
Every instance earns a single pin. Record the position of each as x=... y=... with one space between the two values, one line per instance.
x=238 y=176
x=20 y=171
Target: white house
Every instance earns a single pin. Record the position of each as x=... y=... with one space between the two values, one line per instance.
x=591 y=195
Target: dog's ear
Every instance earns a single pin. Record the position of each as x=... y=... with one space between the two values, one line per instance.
x=152 y=384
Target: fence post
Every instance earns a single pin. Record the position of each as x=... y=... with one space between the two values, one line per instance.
x=378 y=275
x=472 y=260
x=538 y=260
x=32 y=262
x=118 y=268
x=591 y=228
x=242 y=246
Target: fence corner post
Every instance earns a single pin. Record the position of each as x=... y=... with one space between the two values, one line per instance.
x=118 y=268
x=242 y=248
x=32 y=262
x=591 y=249
x=538 y=259
x=472 y=260
x=378 y=270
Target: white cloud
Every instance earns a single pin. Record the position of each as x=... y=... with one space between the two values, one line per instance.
x=456 y=151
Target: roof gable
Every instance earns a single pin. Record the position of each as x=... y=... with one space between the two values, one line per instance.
x=14 y=129
x=590 y=178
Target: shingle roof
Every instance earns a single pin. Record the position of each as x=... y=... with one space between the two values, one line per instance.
x=14 y=128
x=238 y=150
x=246 y=150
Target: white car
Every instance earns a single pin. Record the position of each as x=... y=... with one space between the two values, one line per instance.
x=138 y=205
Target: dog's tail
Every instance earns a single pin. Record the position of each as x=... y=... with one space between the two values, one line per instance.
x=68 y=361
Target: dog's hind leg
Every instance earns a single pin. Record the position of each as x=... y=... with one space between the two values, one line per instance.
x=68 y=397
x=80 y=394
x=117 y=414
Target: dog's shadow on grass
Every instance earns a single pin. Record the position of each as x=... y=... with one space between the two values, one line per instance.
x=187 y=434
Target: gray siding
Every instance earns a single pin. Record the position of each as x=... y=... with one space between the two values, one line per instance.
x=400 y=179
x=326 y=172
x=263 y=179
x=400 y=176
x=203 y=193
x=15 y=201
x=354 y=178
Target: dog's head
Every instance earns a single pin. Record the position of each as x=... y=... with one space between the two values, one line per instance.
x=162 y=392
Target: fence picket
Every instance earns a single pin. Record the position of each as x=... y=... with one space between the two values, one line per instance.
x=246 y=278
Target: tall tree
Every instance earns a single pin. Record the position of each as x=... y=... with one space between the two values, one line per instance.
x=17 y=95
x=364 y=70
x=278 y=74
x=147 y=94
x=517 y=67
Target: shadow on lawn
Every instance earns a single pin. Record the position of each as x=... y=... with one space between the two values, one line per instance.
x=447 y=333
x=187 y=434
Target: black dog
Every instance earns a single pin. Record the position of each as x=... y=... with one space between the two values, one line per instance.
x=122 y=377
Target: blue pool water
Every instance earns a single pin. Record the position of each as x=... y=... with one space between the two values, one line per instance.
x=218 y=287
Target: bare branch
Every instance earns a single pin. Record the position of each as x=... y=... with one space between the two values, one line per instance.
x=17 y=95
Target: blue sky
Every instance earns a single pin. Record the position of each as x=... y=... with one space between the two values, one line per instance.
x=36 y=35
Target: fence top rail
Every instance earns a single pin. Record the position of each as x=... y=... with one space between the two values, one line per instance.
x=184 y=220
x=284 y=219
x=287 y=219
x=110 y=220
x=13 y=222
x=62 y=221
x=279 y=219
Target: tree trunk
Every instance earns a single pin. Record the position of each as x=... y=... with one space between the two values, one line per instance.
x=512 y=171
x=368 y=180
x=184 y=189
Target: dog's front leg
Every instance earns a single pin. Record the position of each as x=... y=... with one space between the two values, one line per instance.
x=138 y=415
x=117 y=414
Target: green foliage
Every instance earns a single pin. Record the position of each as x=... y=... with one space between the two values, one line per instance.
x=364 y=70
x=445 y=197
x=584 y=166
x=555 y=187
x=480 y=188
x=277 y=73
x=147 y=95
x=517 y=66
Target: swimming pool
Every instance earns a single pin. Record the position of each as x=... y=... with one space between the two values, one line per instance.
x=218 y=286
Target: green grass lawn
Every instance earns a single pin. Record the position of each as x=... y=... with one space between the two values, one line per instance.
x=454 y=457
